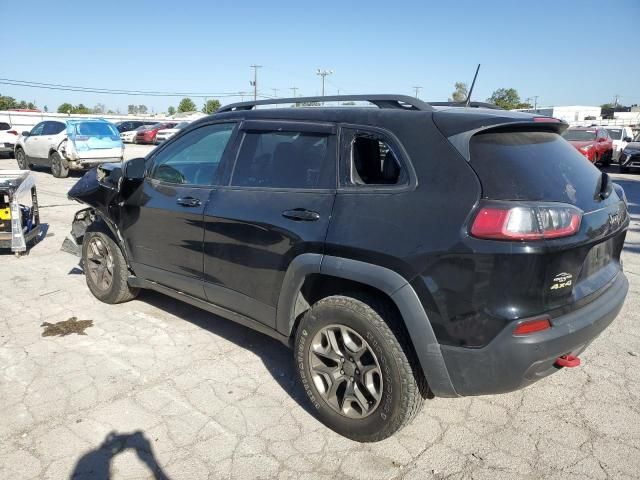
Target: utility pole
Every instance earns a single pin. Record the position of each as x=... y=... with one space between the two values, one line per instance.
x=417 y=90
x=323 y=74
x=275 y=92
x=535 y=102
x=295 y=89
x=254 y=83
x=616 y=97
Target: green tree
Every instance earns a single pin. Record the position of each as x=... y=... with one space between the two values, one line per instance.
x=46 y=109
x=211 y=106
x=99 y=108
x=142 y=109
x=460 y=93
x=32 y=106
x=132 y=109
x=7 y=102
x=22 y=104
x=508 y=99
x=171 y=110
x=80 y=108
x=65 y=108
x=187 y=105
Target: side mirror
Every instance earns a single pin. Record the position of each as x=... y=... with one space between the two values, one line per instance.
x=627 y=139
x=26 y=134
x=134 y=169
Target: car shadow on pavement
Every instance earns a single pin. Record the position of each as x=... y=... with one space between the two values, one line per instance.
x=277 y=358
x=96 y=464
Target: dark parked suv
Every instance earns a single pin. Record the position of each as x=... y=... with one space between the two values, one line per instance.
x=399 y=250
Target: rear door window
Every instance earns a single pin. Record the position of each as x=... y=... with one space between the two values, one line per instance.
x=530 y=165
x=286 y=159
x=53 y=128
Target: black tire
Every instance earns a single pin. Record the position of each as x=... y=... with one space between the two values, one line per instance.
x=606 y=159
x=117 y=290
x=402 y=383
x=59 y=168
x=21 y=158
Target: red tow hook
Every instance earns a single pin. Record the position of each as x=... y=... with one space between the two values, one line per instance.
x=568 y=361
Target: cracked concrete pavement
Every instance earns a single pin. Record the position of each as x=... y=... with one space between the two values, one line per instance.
x=156 y=387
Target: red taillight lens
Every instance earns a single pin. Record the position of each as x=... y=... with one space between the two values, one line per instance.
x=532 y=326
x=12 y=132
x=526 y=222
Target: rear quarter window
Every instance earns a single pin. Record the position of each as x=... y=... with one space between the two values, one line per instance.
x=526 y=165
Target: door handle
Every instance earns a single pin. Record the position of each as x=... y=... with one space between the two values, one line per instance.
x=301 y=214
x=189 y=202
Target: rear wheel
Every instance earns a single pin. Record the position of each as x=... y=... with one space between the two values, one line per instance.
x=21 y=158
x=606 y=159
x=106 y=269
x=59 y=168
x=357 y=367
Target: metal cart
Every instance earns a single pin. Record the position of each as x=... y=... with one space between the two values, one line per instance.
x=19 y=215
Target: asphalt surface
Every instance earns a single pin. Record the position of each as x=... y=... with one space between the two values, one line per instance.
x=158 y=389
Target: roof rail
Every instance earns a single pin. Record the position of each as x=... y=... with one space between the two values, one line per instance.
x=491 y=106
x=401 y=102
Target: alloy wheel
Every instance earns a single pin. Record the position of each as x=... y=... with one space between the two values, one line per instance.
x=345 y=371
x=100 y=263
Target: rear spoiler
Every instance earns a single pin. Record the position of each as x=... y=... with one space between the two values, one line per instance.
x=459 y=129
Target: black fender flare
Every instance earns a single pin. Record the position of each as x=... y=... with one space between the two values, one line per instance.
x=394 y=285
x=81 y=225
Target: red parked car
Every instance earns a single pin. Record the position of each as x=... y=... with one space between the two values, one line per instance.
x=592 y=142
x=148 y=135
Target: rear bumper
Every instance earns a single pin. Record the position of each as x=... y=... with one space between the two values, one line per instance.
x=509 y=363
x=87 y=163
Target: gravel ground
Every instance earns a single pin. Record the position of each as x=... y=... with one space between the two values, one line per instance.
x=158 y=387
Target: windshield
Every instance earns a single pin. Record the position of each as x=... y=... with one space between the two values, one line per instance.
x=615 y=133
x=96 y=129
x=579 y=135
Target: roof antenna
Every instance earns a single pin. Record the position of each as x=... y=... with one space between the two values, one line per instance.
x=467 y=103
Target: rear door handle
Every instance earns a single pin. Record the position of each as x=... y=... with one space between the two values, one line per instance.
x=189 y=202
x=301 y=214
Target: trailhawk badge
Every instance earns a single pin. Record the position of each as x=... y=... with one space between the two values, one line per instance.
x=562 y=280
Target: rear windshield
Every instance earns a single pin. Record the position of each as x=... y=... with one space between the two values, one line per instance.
x=96 y=129
x=4 y=126
x=532 y=166
x=579 y=135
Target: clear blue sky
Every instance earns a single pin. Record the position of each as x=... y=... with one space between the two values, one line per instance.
x=545 y=48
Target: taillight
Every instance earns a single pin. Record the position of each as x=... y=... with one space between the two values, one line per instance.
x=12 y=132
x=532 y=326
x=546 y=120
x=526 y=221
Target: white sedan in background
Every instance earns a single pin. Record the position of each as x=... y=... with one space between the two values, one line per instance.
x=130 y=136
x=620 y=136
x=8 y=138
x=166 y=133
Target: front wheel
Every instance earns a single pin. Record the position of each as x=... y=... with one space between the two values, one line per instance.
x=357 y=367
x=106 y=269
x=59 y=168
x=21 y=158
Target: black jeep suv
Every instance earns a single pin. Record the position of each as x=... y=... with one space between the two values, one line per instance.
x=400 y=250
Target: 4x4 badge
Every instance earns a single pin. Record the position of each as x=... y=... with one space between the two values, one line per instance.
x=562 y=280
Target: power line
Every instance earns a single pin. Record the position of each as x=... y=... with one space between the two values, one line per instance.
x=108 y=91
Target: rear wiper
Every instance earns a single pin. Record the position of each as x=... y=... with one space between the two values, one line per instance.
x=606 y=187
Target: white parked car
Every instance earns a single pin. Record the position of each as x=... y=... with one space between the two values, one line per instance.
x=621 y=136
x=167 y=133
x=69 y=145
x=130 y=136
x=8 y=138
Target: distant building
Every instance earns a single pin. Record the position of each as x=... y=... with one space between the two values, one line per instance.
x=569 y=113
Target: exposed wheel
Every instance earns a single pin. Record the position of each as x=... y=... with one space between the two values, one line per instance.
x=59 y=168
x=606 y=159
x=105 y=269
x=358 y=368
x=21 y=158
